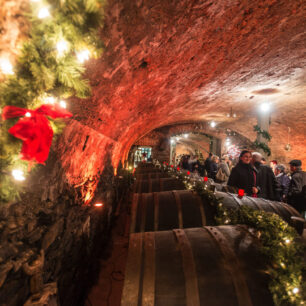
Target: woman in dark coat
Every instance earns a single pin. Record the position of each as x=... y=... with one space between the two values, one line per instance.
x=243 y=176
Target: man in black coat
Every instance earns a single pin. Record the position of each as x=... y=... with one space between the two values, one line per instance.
x=207 y=164
x=297 y=187
x=265 y=179
x=283 y=182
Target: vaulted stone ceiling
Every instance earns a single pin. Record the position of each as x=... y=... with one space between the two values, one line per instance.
x=177 y=61
x=174 y=61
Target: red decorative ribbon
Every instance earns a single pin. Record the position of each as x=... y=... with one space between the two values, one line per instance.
x=34 y=129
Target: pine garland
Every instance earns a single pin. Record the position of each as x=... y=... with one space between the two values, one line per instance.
x=261 y=145
x=279 y=242
x=41 y=71
x=265 y=134
x=279 y=246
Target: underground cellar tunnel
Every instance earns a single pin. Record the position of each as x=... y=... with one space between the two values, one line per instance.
x=100 y=101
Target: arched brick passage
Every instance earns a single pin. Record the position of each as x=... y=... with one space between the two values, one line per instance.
x=166 y=63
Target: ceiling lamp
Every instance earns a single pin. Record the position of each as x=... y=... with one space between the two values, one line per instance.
x=213 y=124
x=265 y=107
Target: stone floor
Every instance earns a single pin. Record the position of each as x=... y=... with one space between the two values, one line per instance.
x=107 y=291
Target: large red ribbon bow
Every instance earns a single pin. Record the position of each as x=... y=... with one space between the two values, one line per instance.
x=34 y=129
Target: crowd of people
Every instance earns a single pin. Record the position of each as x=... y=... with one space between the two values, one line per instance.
x=251 y=173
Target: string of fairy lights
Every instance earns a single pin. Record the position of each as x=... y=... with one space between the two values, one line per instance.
x=47 y=71
x=62 y=47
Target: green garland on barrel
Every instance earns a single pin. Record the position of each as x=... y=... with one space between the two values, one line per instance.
x=261 y=145
x=283 y=254
x=42 y=72
x=280 y=246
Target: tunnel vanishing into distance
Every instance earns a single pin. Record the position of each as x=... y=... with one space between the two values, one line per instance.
x=174 y=62
x=168 y=68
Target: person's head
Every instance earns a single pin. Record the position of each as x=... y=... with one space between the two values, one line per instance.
x=225 y=158
x=279 y=169
x=215 y=158
x=273 y=164
x=256 y=157
x=295 y=165
x=245 y=156
x=210 y=154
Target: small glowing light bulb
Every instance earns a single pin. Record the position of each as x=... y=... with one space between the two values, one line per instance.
x=35 y=0
x=186 y=135
x=213 y=124
x=177 y=138
x=130 y=167
x=295 y=290
x=98 y=204
x=49 y=100
x=172 y=141
x=83 y=55
x=63 y=104
x=18 y=175
x=28 y=114
x=6 y=66
x=43 y=13
x=62 y=47
x=282 y=265
x=287 y=241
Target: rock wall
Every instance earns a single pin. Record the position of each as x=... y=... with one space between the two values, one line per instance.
x=51 y=240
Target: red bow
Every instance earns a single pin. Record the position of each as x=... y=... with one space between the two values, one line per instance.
x=34 y=129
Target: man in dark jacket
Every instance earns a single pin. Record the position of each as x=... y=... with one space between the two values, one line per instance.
x=207 y=164
x=265 y=180
x=297 y=187
x=283 y=182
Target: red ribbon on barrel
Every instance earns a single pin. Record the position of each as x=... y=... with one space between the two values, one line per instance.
x=240 y=192
x=34 y=129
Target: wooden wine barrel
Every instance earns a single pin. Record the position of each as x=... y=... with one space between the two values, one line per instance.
x=150 y=175
x=160 y=211
x=285 y=211
x=218 y=186
x=147 y=170
x=142 y=165
x=213 y=266
x=159 y=184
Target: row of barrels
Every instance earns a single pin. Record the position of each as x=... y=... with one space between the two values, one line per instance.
x=158 y=211
x=211 y=266
x=163 y=204
x=177 y=256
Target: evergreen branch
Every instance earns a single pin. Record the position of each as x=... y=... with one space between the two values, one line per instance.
x=265 y=134
x=263 y=146
x=40 y=71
